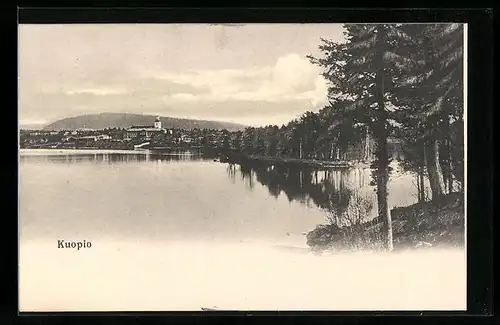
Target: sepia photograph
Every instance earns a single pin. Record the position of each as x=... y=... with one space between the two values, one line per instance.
x=242 y=167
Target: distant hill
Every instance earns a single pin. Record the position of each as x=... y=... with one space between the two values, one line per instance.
x=125 y=120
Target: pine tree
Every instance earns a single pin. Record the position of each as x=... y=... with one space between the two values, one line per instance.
x=361 y=72
x=429 y=93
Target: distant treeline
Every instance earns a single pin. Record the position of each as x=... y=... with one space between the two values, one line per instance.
x=308 y=137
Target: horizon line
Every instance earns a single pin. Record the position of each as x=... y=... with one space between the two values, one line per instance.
x=45 y=123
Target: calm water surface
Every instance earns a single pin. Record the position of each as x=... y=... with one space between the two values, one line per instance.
x=130 y=195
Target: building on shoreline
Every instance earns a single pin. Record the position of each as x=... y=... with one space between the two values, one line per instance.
x=145 y=131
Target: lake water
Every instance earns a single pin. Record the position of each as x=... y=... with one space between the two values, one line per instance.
x=180 y=232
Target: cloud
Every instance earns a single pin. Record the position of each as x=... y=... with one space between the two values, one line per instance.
x=97 y=91
x=291 y=78
x=275 y=93
x=181 y=97
x=253 y=71
x=293 y=72
x=247 y=112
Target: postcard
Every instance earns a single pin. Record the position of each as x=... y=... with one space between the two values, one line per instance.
x=200 y=167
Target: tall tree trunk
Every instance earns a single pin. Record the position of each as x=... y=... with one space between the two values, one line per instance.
x=422 y=184
x=450 y=167
x=418 y=186
x=421 y=171
x=370 y=148
x=366 y=155
x=446 y=128
x=436 y=179
x=383 y=167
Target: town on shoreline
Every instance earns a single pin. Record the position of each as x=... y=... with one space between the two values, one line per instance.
x=120 y=138
x=248 y=145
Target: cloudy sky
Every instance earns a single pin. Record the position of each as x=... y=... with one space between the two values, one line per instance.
x=254 y=74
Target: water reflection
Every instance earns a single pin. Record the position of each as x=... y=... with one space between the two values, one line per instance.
x=112 y=158
x=330 y=190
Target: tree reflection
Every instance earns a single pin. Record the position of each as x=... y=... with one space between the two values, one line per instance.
x=326 y=189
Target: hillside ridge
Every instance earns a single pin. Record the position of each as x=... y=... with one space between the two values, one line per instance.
x=125 y=120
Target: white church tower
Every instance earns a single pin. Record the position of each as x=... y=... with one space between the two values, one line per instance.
x=157 y=123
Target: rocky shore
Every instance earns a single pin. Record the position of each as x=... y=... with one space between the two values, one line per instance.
x=421 y=225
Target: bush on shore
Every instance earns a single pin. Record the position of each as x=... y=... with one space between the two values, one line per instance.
x=423 y=225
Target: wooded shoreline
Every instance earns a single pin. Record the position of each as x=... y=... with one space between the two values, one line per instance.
x=237 y=158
